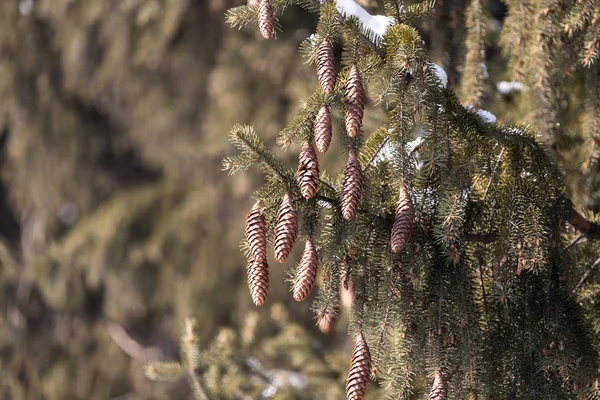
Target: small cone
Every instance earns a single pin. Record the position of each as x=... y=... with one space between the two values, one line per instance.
x=258 y=281
x=265 y=18
x=360 y=370
x=308 y=171
x=323 y=129
x=286 y=229
x=355 y=104
x=438 y=389
x=403 y=222
x=326 y=66
x=353 y=186
x=307 y=271
x=253 y=2
x=327 y=319
x=256 y=233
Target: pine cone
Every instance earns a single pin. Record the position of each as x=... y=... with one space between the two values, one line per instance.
x=353 y=186
x=253 y=2
x=438 y=389
x=322 y=129
x=307 y=271
x=327 y=319
x=308 y=171
x=326 y=66
x=256 y=233
x=355 y=102
x=403 y=223
x=265 y=18
x=360 y=370
x=286 y=229
x=258 y=280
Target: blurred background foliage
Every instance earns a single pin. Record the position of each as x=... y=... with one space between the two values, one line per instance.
x=116 y=221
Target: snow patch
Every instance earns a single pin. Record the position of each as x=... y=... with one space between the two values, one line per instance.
x=374 y=26
x=505 y=87
x=26 y=6
x=412 y=145
x=440 y=74
x=483 y=114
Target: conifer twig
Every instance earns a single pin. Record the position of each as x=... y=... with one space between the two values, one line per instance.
x=589 y=228
x=586 y=275
x=190 y=342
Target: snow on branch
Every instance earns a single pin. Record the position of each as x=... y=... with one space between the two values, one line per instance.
x=440 y=74
x=486 y=116
x=373 y=26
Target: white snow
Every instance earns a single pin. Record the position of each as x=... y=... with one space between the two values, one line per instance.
x=412 y=145
x=484 y=69
x=26 y=6
x=323 y=203
x=440 y=73
x=374 y=25
x=485 y=115
x=505 y=87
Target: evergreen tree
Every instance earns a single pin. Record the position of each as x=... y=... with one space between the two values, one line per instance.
x=466 y=251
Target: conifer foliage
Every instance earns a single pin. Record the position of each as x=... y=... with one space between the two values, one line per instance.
x=451 y=230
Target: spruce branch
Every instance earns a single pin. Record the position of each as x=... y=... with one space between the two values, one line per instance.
x=253 y=151
x=190 y=356
x=589 y=228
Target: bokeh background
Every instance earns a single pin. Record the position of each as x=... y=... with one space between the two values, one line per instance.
x=116 y=220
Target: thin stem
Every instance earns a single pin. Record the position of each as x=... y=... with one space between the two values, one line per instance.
x=586 y=275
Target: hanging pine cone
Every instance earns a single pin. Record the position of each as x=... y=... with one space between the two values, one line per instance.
x=438 y=389
x=355 y=102
x=327 y=319
x=265 y=18
x=403 y=222
x=326 y=66
x=256 y=233
x=360 y=369
x=322 y=129
x=353 y=186
x=258 y=280
x=307 y=271
x=286 y=229
x=308 y=171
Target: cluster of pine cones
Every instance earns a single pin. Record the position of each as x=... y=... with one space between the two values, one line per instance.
x=286 y=228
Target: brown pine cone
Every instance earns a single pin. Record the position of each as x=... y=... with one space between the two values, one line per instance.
x=355 y=102
x=325 y=61
x=265 y=18
x=353 y=186
x=360 y=370
x=327 y=319
x=438 y=389
x=323 y=129
x=256 y=233
x=258 y=280
x=308 y=171
x=403 y=222
x=286 y=229
x=307 y=271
